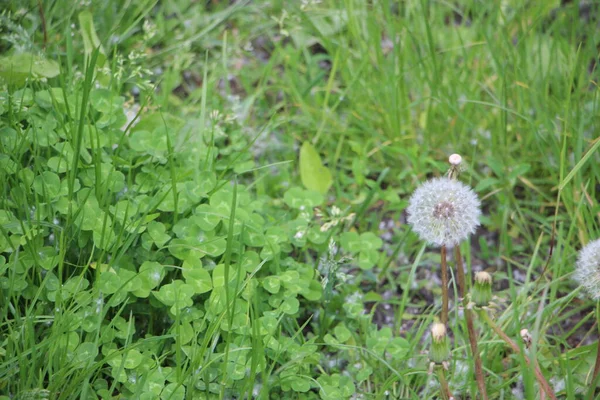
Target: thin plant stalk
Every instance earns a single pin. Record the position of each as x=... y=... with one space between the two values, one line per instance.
x=462 y=287
x=596 y=373
x=445 y=390
x=544 y=385
x=444 y=267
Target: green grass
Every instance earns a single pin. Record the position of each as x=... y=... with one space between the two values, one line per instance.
x=180 y=254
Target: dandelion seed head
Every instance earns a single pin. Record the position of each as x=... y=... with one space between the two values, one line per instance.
x=444 y=211
x=587 y=271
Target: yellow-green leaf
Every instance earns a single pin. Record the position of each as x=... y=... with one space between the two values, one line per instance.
x=17 y=68
x=314 y=175
x=91 y=41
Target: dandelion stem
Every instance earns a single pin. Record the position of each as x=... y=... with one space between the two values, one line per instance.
x=441 y=373
x=444 y=265
x=597 y=366
x=462 y=284
x=594 y=382
x=545 y=386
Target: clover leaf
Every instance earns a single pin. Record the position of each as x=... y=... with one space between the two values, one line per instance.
x=378 y=340
x=48 y=257
x=47 y=184
x=398 y=348
x=151 y=142
x=272 y=284
x=250 y=261
x=302 y=199
x=109 y=282
x=290 y=305
x=157 y=230
x=173 y=391
x=207 y=217
x=17 y=68
x=86 y=352
x=218 y=275
x=196 y=276
x=366 y=245
x=336 y=386
x=177 y=294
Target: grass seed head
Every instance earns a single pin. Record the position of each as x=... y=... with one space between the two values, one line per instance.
x=587 y=271
x=444 y=211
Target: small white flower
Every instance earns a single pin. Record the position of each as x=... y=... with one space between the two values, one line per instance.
x=444 y=211
x=587 y=271
x=335 y=211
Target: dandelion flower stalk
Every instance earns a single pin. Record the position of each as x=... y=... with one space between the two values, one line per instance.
x=444 y=268
x=596 y=373
x=441 y=373
x=462 y=283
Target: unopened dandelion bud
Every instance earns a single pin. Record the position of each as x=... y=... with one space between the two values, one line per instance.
x=481 y=294
x=455 y=159
x=587 y=270
x=444 y=211
x=440 y=347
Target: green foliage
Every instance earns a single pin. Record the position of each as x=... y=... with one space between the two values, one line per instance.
x=312 y=172
x=16 y=69
x=205 y=200
x=367 y=246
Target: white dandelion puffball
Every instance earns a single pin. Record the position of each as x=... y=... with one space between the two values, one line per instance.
x=587 y=271
x=444 y=211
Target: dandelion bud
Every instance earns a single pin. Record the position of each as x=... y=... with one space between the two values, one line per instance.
x=444 y=211
x=455 y=159
x=587 y=271
x=481 y=294
x=440 y=347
